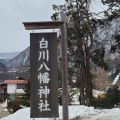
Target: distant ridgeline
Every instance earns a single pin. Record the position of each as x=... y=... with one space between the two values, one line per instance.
x=20 y=60
x=8 y=55
x=11 y=64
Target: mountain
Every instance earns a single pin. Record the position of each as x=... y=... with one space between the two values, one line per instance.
x=112 y=56
x=21 y=60
x=104 y=40
x=8 y=55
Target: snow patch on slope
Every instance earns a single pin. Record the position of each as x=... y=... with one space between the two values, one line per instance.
x=116 y=79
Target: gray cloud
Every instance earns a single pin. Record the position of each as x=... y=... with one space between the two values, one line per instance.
x=13 y=36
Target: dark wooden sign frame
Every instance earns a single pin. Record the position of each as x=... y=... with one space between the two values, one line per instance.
x=43 y=75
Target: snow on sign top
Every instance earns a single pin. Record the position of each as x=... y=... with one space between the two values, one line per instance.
x=42 y=25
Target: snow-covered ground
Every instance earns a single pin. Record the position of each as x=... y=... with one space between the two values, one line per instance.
x=83 y=112
x=75 y=111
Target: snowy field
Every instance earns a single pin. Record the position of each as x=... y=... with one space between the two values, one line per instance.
x=82 y=112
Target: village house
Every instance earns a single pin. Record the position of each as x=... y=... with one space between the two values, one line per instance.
x=15 y=87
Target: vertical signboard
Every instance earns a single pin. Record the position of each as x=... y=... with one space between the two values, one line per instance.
x=43 y=75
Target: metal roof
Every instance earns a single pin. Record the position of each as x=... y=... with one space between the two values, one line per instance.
x=16 y=81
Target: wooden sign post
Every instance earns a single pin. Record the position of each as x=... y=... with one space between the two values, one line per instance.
x=62 y=25
x=64 y=67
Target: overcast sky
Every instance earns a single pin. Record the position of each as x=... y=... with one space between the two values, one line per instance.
x=13 y=36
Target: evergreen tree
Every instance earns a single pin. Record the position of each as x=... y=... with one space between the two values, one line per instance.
x=80 y=41
x=83 y=45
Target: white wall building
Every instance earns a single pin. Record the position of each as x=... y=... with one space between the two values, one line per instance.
x=15 y=86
